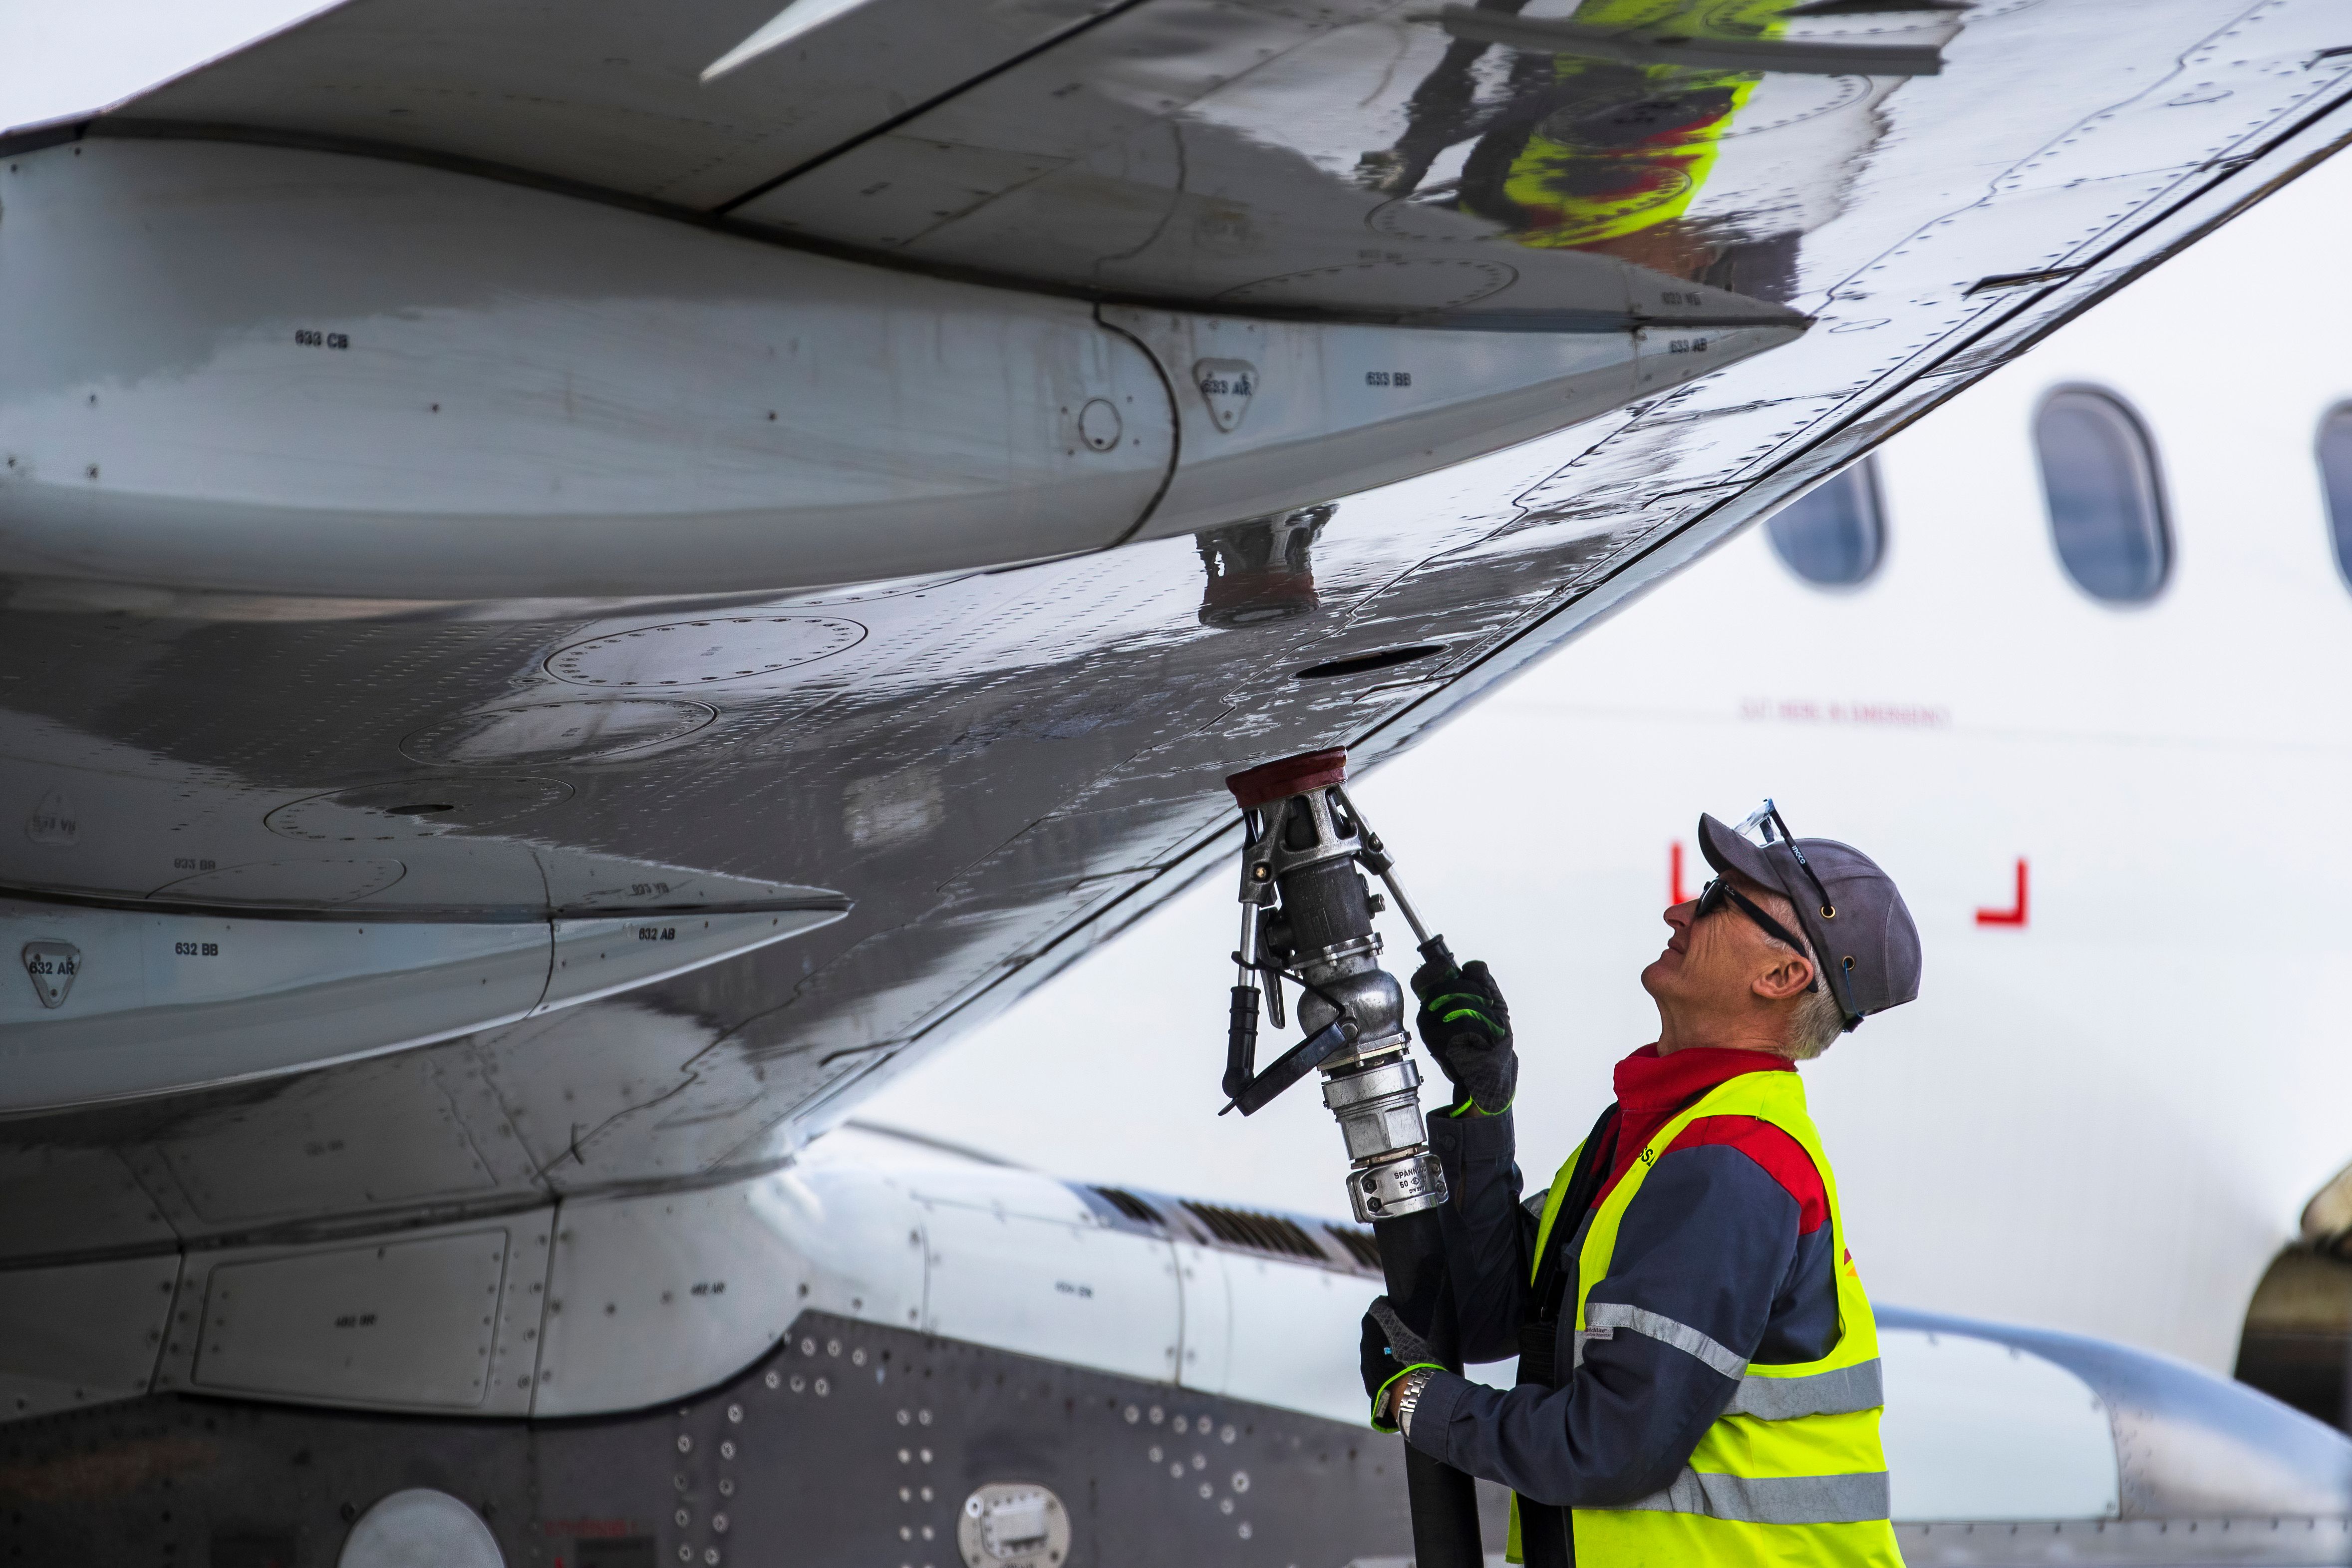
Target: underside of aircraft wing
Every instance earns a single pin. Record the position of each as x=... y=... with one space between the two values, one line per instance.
x=475 y=471
x=608 y=96
x=1181 y=152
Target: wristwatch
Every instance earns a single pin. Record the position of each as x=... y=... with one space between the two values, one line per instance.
x=1408 y=1398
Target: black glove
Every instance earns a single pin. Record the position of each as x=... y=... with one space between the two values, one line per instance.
x=1466 y=1025
x=1391 y=1348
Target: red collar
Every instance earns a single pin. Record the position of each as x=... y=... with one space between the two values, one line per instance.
x=1647 y=1081
x=1652 y=1088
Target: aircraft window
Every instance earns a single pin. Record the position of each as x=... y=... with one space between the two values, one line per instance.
x=2107 y=504
x=1833 y=534
x=2335 y=478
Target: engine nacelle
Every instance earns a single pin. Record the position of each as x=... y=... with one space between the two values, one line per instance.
x=291 y=371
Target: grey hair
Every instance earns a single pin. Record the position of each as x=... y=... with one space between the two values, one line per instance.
x=1817 y=1020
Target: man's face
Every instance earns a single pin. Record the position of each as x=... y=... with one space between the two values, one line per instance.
x=1714 y=964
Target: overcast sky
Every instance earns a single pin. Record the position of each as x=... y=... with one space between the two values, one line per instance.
x=58 y=60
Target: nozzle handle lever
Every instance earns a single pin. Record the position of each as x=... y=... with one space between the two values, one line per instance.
x=1381 y=863
x=1293 y=1064
x=1240 y=1042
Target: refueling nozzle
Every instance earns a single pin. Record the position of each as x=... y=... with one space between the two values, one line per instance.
x=1307 y=916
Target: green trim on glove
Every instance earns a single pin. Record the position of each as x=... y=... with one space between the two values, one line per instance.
x=1466 y=1006
x=1378 y=1399
x=1465 y=1024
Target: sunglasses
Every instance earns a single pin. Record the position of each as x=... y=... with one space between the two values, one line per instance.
x=1720 y=891
x=1767 y=823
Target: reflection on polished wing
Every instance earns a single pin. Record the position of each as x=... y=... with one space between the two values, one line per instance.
x=1377 y=159
x=1180 y=150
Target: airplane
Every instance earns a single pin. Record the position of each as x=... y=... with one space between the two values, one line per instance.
x=583 y=590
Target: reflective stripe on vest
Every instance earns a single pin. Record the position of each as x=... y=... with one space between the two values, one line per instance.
x=1776 y=1499
x=1607 y=1317
x=1792 y=1469
x=1839 y=1393
x=1835 y=1393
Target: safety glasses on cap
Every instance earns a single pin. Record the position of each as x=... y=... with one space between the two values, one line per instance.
x=1765 y=824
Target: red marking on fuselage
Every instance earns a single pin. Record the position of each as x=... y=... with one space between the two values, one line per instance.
x=2008 y=917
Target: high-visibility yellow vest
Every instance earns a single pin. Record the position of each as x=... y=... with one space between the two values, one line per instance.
x=1792 y=1473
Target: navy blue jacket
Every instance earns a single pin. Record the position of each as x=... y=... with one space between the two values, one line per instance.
x=1722 y=1258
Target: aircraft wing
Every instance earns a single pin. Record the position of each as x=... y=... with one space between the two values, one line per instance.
x=1178 y=151
x=398 y=551
x=606 y=96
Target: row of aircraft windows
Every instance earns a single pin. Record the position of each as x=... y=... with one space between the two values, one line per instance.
x=2099 y=483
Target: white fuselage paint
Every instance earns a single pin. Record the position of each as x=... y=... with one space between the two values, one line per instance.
x=616 y=1304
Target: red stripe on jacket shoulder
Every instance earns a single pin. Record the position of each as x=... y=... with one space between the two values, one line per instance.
x=1782 y=1157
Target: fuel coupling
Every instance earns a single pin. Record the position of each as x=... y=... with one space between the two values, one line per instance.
x=1306 y=918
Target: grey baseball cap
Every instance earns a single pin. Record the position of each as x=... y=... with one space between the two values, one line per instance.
x=1863 y=932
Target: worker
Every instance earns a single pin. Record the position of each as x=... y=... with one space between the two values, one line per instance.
x=1699 y=1376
